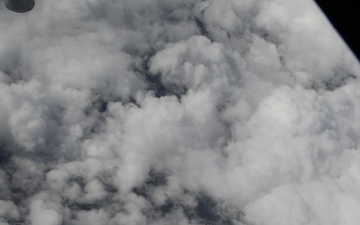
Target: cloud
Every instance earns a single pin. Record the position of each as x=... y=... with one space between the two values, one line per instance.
x=166 y=112
x=8 y=210
x=44 y=213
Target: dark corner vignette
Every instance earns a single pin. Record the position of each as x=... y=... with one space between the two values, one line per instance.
x=344 y=16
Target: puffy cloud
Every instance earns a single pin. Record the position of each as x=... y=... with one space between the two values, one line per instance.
x=8 y=210
x=44 y=211
x=166 y=112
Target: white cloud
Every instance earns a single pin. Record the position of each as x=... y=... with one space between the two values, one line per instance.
x=177 y=112
x=8 y=210
x=44 y=211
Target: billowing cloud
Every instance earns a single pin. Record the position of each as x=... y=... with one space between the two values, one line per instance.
x=177 y=112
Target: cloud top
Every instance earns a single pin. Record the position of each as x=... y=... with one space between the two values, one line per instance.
x=166 y=112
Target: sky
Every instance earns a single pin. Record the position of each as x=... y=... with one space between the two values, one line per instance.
x=231 y=112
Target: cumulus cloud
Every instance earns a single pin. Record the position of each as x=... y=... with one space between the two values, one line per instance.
x=177 y=112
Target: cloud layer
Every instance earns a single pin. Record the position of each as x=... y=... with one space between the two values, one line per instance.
x=189 y=112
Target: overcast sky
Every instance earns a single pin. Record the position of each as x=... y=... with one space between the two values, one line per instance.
x=158 y=112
